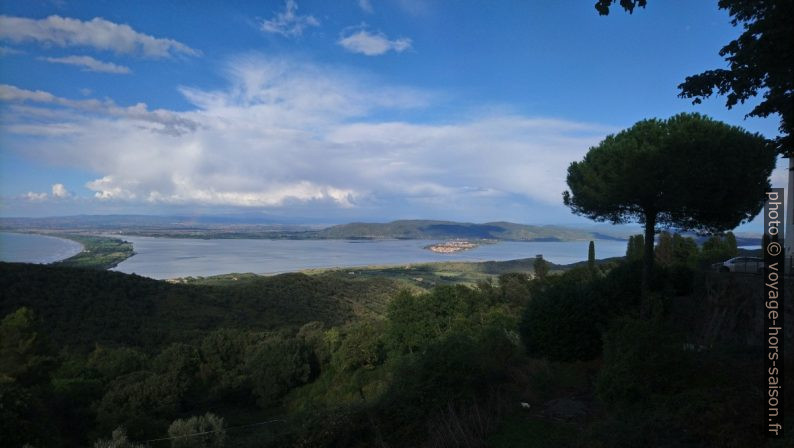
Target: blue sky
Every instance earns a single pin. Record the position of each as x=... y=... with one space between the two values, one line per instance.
x=341 y=111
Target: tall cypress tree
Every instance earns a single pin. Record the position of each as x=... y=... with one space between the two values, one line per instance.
x=591 y=256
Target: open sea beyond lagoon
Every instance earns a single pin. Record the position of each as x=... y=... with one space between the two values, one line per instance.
x=163 y=258
x=27 y=248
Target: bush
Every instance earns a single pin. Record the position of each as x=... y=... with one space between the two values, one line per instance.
x=203 y=431
x=111 y=363
x=681 y=279
x=641 y=358
x=563 y=321
x=514 y=288
x=415 y=321
x=118 y=440
x=450 y=369
x=361 y=347
x=222 y=364
x=277 y=365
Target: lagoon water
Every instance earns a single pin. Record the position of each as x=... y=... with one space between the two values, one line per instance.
x=28 y=248
x=176 y=257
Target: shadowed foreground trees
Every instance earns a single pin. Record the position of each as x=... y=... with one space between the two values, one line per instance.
x=441 y=368
x=688 y=172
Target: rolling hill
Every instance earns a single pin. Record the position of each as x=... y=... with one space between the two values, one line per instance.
x=427 y=229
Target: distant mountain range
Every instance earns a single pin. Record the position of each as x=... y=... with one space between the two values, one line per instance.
x=243 y=226
x=224 y=227
x=429 y=230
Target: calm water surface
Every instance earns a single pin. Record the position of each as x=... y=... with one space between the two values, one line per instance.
x=175 y=257
x=27 y=248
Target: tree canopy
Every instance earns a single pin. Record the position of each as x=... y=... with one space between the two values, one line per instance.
x=603 y=5
x=688 y=172
x=760 y=60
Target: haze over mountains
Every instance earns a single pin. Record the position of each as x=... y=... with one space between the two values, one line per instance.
x=257 y=227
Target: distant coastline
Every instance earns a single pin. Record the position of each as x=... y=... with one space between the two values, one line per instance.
x=27 y=247
x=176 y=227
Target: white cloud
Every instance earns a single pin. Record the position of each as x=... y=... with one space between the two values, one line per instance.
x=35 y=197
x=97 y=33
x=60 y=191
x=286 y=133
x=90 y=64
x=366 y=6
x=157 y=120
x=360 y=40
x=289 y=23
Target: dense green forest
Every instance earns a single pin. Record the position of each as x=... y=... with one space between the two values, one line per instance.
x=95 y=358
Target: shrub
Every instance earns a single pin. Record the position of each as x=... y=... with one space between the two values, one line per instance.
x=111 y=363
x=277 y=365
x=514 y=288
x=222 y=364
x=641 y=358
x=118 y=440
x=415 y=321
x=361 y=347
x=203 y=431
x=563 y=321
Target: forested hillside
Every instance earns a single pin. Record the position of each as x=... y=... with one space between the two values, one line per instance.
x=82 y=307
x=424 y=229
x=103 y=359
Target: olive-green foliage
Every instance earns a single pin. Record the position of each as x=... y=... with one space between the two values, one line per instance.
x=688 y=172
x=514 y=288
x=23 y=351
x=719 y=248
x=321 y=341
x=362 y=347
x=20 y=413
x=112 y=362
x=685 y=250
x=367 y=382
x=98 y=252
x=276 y=365
x=676 y=258
x=222 y=368
x=664 y=249
x=641 y=358
x=563 y=321
x=541 y=268
x=118 y=440
x=635 y=248
x=415 y=320
x=450 y=369
x=659 y=390
x=142 y=401
x=203 y=431
x=453 y=343
x=567 y=315
x=178 y=364
x=128 y=310
x=591 y=255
